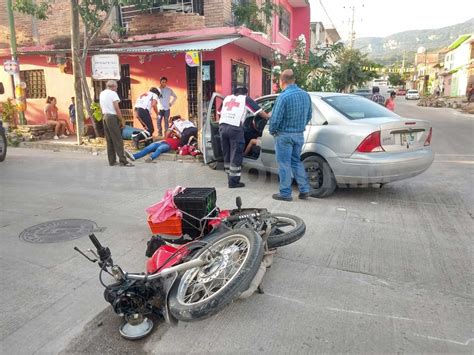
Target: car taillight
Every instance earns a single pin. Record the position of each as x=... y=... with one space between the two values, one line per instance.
x=428 y=139
x=370 y=144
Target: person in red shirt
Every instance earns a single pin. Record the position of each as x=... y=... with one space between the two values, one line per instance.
x=171 y=142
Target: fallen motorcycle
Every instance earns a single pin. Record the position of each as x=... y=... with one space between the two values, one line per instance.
x=197 y=279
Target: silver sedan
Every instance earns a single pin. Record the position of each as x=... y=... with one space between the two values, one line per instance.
x=350 y=141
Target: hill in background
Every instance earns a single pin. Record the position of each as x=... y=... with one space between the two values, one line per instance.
x=390 y=49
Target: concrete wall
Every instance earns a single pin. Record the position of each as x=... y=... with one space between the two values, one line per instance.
x=234 y=53
x=299 y=24
x=59 y=85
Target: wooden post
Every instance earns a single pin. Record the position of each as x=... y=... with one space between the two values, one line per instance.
x=75 y=48
x=199 y=102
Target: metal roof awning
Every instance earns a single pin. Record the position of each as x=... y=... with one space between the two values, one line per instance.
x=200 y=46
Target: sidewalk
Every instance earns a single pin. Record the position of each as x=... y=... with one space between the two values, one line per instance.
x=69 y=144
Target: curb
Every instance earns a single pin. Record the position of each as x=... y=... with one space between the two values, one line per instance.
x=58 y=147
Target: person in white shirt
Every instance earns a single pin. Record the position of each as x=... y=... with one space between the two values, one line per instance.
x=167 y=99
x=143 y=106
x=184 y=129
x=234 y=110
x=113 y=122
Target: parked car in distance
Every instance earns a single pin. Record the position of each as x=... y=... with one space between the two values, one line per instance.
x=390 y=89
x=412 y=95
x=401 y=92
x=350 y=141
x=364 y=93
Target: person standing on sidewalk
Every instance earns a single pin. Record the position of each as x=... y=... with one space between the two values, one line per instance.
x=143 y=107
x=231 y=130
x=290 y=115
x=113 y=122
x=167 y=99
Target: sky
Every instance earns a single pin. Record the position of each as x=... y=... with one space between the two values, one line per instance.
x=380 y=18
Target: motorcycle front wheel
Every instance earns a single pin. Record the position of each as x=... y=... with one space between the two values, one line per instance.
x=203 y=291
x=285 y=229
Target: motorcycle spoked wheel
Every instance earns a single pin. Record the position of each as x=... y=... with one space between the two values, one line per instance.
x=286 y=229
x=203 y=291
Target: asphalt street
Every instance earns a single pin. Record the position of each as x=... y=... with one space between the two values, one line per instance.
x=379 y=270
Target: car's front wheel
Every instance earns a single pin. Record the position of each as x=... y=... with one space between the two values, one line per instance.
x=320 y=176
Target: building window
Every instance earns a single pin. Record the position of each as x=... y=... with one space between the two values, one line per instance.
x=35 y=83
x=284 y=24
x=240 y=75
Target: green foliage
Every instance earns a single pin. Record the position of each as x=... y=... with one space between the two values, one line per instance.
x=254 y=17
x=350 y=71
x=96 y=111
x=395 y=79
x=312 y=72
x=31 y=7
x=8 y=110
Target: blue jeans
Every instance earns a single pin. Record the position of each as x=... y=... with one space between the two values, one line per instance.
x=162 y=115
x=155 y=148
x=288 y=148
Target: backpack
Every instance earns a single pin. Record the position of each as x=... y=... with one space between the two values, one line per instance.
x=141 y=139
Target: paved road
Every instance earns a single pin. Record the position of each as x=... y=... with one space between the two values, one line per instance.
x=379 y=270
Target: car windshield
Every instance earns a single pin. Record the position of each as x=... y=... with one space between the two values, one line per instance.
x=356 y=107
x=412 y=92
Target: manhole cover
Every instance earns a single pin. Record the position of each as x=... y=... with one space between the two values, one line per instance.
x=61 y=230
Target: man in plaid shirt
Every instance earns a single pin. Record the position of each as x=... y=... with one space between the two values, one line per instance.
x=376 y=97
x=290 y=115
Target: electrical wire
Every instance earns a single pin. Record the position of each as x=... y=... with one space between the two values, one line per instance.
x=325 y=11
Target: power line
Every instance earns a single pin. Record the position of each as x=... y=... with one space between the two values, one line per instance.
x=325 y=11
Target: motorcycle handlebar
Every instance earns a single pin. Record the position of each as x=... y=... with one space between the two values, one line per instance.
x=95 y=241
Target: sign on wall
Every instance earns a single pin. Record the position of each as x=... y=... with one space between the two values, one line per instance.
x=11 y=67
x=106 y=67
x=192 y=59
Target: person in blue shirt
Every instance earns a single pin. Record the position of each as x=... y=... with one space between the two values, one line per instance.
x=290 y=115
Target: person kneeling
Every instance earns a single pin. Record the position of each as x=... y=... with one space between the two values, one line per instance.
x=171 y=142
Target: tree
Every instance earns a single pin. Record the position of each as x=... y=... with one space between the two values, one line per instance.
x=350 y=70
x=395 y=79
x=312 y=70
x=255 y=17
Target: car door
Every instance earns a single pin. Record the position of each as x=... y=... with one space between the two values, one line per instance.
x=267 y=145
x=210 y=139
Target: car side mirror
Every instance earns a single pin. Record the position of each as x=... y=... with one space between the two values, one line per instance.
x=2 y=89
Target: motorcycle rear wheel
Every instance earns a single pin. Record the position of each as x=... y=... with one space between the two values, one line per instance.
x=286 y=229
x=204 y=291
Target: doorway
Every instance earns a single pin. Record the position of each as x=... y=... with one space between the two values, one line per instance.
x=208 y=87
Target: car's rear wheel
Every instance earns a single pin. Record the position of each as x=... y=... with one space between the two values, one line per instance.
x=320 y=176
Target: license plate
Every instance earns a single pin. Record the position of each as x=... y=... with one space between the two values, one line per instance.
x=407 y=138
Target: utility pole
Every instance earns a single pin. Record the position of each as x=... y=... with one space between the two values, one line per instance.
x=352 y=27
x=75 y=49
x=16 y=76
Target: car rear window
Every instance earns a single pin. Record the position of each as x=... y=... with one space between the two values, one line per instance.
x=356 y=107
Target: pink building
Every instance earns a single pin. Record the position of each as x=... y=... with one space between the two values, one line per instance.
x=155 y=45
